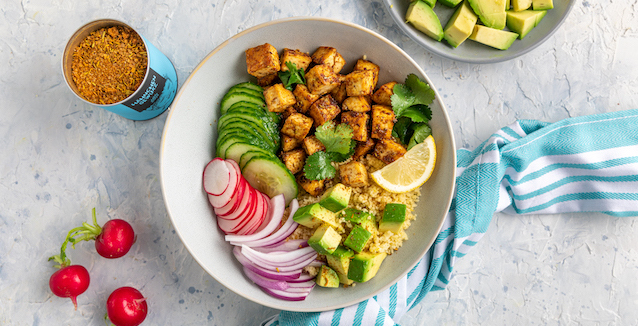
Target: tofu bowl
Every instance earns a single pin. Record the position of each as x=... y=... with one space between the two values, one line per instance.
x=189 y=139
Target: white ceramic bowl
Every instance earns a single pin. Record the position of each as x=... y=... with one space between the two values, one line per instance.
x=474 y=52
x=189 y=138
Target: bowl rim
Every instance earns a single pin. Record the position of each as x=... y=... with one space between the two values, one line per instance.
x=412 y=35
x=247 y=31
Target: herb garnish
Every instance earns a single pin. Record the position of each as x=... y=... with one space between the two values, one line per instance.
x=339 y=146
x=292 y=76
x=410 y=103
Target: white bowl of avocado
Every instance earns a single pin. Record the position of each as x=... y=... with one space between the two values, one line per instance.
x=479 y=31
x=189 y=138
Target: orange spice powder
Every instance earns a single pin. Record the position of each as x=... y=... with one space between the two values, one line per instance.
x=109 y=65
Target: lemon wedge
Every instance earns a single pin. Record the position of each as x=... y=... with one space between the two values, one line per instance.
x=410 y=171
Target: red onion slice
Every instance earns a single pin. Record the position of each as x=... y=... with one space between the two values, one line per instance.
x=284 y=246
x=276 y=257
x=265 y=282
x=281 y=276
x=274 y=268
x=289 y=296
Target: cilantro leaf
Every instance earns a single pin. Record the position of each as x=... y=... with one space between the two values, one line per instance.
x=292 y=76
x=340 y=157
x=401 y=129
x=335 y=139
x=418 y=113
x=318 y=166
x=412 y=99
x=421 y=132
x=422 y=91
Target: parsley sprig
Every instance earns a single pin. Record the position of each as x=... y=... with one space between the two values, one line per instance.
x=339 y=147
x=410 y=103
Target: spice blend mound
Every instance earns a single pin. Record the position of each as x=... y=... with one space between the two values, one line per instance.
x=109 y=65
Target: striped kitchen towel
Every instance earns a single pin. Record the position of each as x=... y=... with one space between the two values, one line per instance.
x=583 y=164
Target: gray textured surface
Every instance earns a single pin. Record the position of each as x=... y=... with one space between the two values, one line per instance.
x=61 y=157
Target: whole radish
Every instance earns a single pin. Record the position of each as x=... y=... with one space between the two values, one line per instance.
x=70 y=280
x=126 y=306
x=113 y=240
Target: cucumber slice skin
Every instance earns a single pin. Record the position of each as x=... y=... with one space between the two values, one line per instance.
x=251 y=128
x=243 y=105
x=235 y=149
x=267 y=120
x=248 y=155
x=245 y=88
x=242 y=136
x=270 y=176
x=259 y=127
x=249 y=85
x=267 y=126
x=231 y=98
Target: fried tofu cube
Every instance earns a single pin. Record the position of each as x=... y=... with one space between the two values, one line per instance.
x=323 y=110
x=353 y=174
x=294 y=159
x=312 y=187
x=321 y=79
x=312 y=145
x=304 y=98
x=388 y=151
x=288 y=112
x=363 y=148
x=363 y=64
x=359 y=123
x=289 y=143
x=301 y=59
x=384 y=93
x=268 y=80
x=339 y=93
x=360 y=82
x=262 y=60
x=356 y=104
x=278 y=98
x=329 y=56
x=383 y=120
x=297 y=126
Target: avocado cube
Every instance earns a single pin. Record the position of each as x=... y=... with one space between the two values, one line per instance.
x=325 y=240
x=327 y=277
x=336 y=198
x=365 y=266
x=496 y=38
x=354 y=215
x=314 y=215
x=339 y=260
x=460 y=25
x=393 y=218
x=357 y=238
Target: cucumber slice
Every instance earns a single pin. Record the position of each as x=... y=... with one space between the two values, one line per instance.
x=231 y=98
x=253 y=129
x=270 y=176
x=229 y=120
x=245 y=157
x=245 y=88
x=243 y=105
x=249 y=85
x=235 y=149
x=229 y=137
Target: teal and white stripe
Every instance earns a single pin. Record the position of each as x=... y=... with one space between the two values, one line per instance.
x=584 y=164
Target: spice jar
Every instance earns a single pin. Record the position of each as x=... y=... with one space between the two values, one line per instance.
x=108 y=64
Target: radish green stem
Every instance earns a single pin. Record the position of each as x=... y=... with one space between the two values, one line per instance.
x=86 y=232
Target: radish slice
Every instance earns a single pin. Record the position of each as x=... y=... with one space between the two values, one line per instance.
x=280 y=235
x=225 y=197
x=244 y=205
x=216 y=177
x=235 y=201
x=257 y=218
x=274 y=215
x=266 y=218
